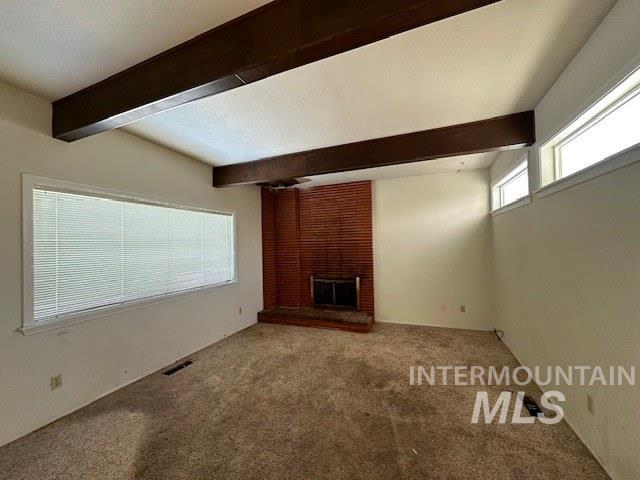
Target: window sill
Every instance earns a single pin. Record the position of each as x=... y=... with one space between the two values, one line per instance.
x=615 y=162
x=512 y=206
x=74 y=319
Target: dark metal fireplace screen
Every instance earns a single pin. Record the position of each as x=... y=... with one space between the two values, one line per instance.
x=336 y=292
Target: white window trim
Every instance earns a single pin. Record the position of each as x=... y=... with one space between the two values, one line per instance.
x=557 y=146
x=507 y=176
x=29 y=183
x=615 y=162
x=512 y=206
x=597 y=169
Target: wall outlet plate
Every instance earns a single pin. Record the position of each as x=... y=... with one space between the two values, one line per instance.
x=56 y=381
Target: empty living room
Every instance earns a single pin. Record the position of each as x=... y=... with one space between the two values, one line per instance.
x=318 y=239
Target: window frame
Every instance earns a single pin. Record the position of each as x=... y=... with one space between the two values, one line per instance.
x=622 y=88
x=497 y=191
x=588 y=125
x=31 y=182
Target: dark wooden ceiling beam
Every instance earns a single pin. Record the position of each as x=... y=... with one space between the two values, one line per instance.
x=279 y=36
x=500 y=133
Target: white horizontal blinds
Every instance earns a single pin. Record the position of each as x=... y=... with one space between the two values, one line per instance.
x=45 y=248
x=186 y=269
x=218 y=237
x=146 y=252
x=92 y=252
x=77 y=246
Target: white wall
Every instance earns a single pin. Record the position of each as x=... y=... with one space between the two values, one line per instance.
x=101 y=355
x=568 y=265
x=432 y=247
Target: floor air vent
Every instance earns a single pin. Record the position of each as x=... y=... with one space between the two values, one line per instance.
x=177 y=368
x=532 y=406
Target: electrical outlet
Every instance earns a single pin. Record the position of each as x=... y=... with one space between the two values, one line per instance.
x=56 y=381
x=463 y=309
x=590 y=405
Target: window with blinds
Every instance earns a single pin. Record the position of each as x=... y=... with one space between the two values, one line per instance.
x=92 y=252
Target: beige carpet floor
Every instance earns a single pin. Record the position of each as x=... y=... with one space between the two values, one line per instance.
x=282 y=402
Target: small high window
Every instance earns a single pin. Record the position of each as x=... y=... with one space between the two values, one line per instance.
x=512 y=187
x=607 y=128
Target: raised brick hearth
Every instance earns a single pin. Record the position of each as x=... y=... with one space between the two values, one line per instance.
x=314 y=317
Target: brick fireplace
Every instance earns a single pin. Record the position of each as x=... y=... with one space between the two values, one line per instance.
x=319 y=242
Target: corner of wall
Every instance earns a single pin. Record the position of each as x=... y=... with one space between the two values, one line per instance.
x=25 y=109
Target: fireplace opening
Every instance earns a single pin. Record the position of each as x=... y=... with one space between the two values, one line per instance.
x=335 y=292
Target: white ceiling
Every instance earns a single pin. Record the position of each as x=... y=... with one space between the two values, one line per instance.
x=494 y=61
x=428 y=167
x=56 y=47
